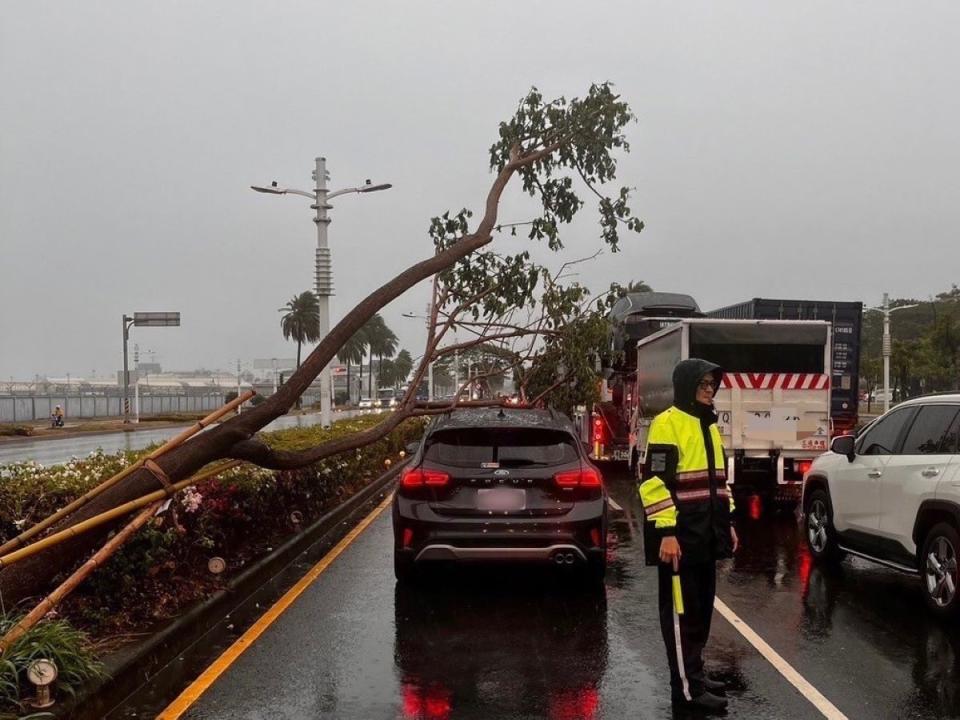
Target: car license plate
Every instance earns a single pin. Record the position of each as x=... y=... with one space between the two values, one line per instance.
x=501 y=499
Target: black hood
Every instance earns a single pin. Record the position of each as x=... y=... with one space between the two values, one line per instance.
x=686 y=377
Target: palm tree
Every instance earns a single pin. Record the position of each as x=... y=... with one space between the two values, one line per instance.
x=381 y=341
x=352 y=352
x=403 y=364
x=368 y=334
x=637 y=286
x=301 y=321
x=386 y=347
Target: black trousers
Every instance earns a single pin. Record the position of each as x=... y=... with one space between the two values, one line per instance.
x=685 y=634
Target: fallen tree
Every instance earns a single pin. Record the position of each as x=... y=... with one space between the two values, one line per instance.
x=497 y=299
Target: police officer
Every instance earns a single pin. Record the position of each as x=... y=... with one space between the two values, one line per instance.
x=688 y=526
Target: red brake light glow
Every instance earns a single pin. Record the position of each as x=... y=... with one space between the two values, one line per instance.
x=598 y=430
x=586 y=478
x=418 y=478
x=802 y=466
x=589 y=478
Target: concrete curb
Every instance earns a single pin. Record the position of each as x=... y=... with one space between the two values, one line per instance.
x=132 y=666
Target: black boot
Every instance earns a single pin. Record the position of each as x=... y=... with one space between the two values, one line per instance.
x=705 y=702
x=713 y=686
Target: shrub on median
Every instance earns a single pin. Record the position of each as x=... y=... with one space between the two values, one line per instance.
x=239 y=516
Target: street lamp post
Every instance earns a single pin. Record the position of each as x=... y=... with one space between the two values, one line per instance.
x=323 y=265
x=888 y=345
x=430 y=364
x=141 y=319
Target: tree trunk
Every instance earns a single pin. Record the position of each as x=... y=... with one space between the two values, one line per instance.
x=299 y=403
x=32 y=575
x=349 y=399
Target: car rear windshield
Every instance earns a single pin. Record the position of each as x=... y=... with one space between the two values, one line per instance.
x=508 y=447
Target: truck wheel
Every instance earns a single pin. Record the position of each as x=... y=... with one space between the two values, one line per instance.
x=938 y=568
x=821 y=535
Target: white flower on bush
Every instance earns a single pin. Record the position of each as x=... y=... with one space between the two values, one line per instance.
x=191 y=500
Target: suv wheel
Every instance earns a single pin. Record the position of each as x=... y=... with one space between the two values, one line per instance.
x=596 y=570
x=938 y=565
x=821 y=537
x=403 y=568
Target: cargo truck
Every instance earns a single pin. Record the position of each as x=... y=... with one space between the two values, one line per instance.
x=773 y=404
x=606 y=428
x=845 y=317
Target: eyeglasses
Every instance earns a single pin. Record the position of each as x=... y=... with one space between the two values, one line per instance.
x=704 y=384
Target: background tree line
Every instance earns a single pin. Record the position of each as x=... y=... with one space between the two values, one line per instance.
x=926 y=346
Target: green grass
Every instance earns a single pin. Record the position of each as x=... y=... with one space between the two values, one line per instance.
x=54 y=640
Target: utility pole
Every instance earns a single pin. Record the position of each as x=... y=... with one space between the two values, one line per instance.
x=324 y=270
x=887 y=352
x=127 y=321
x=888 y=346
x=324 y=277
x=238 y=385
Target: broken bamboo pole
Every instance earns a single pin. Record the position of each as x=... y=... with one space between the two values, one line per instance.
x=79 y=575
x=112 y=514
x=110 y=482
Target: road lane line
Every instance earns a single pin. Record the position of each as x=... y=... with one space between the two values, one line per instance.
x=827 y=708
x=613 y=504
x=199 y=686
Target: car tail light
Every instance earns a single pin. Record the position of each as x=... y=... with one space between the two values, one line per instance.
x=407 y=537
x=418 y=478
x=802 y=467
x=586 y=478
x=589 y=478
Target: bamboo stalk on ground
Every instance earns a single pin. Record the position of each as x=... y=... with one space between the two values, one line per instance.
x=102 y=555
x=112 y=514
x=90 y=494
x=79 y=575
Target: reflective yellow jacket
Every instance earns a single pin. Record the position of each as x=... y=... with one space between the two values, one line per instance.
x=683 y=492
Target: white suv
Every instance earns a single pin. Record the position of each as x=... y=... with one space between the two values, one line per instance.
x=892 y=495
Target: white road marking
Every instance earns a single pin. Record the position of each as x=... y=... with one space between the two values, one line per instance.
x=614 y=505
x=816 y=698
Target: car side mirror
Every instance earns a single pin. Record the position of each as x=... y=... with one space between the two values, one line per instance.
x=843 y=445
x=412 y=448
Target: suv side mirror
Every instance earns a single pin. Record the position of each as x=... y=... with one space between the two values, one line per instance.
x=843 y=445
x=412 y=448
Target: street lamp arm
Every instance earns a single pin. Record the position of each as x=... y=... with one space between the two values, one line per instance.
x=361 y=189
x=903 y=307
x=283 y=191
x=313 y=195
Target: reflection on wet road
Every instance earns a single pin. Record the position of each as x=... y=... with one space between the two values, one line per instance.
x=51 y=452
x=519 y=644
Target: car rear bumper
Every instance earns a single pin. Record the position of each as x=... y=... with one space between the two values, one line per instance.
x=573 y=536
x=558 y=553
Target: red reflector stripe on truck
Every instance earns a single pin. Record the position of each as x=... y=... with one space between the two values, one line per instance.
x=782 y=381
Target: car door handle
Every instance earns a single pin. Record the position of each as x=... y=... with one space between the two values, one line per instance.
x=874 y=474
x=930 y=472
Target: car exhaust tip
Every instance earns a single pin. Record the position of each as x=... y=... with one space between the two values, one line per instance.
x=558 y=558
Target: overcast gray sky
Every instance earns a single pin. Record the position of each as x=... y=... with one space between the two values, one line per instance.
x=803 y=149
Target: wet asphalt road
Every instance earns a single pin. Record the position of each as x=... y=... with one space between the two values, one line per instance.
x=52 y=452
x=500 y=644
